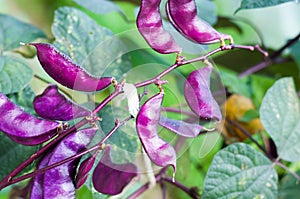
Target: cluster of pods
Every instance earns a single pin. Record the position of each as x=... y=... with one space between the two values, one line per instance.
x=53 y=108
x=182 y=14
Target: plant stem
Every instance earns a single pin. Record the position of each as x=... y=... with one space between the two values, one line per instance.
x=288 y=170
x=245 y=132
x=187 y=190
x=86 y=151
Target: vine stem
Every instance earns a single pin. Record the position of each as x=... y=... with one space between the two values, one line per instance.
x=98 y=146
x=118 y=90
x=287 y=169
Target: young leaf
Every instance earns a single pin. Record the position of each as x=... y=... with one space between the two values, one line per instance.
x=110 y=178
x=280 y=115
x=99 y=6
x=12 y=31
x=14 y=74
x=54 y=106
x=239 y=171
x=97 y=49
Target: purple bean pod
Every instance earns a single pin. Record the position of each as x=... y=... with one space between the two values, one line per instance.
x=149 y=23
x=22 y=127
x=54 y=106
x=37 y=189
x=180 y=127
x=110 y=178
x=84 y=169
x=58 y=182
x=159 y=151
x=183 y=16
x=63 y=70
x=198 y=95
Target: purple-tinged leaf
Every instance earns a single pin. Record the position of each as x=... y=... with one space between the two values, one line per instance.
x=84 y=169
x=183 y=16
x=62 y=69
x=159 y=151
x=110 y=178
x=198 y=95
x=180 y=127
x=37 y=189
x=150 y=25
x=22 y=127
x=58 y=182
x=54 y=106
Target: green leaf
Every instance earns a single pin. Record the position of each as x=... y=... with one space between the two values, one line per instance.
x=239 y=171
x=250 y=4
x=295 y=52
x=13 y=154
x=207 y=10
x=24 y=98
x=93 y=47
x=13 y=31
x=99 y=6
x=289 y=187
x=280 y=115
x=14 y=74
x=125 y=138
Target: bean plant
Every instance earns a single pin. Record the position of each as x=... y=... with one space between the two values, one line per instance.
x=165 y=104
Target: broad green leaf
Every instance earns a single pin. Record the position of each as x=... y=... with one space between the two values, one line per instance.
x=280 y=116
x=289 y=187
x=239 y=171
x=295 y=51
x=250 y=4
x=93 y=47
x=14 y=74
x=13 y=31
x=24 y=98
x=125 y=138
x=99 y=6
x=13 y=154
x=207 y=10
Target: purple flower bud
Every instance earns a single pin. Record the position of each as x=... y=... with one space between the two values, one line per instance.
x=110 y=178
x=150 y=25
x=180 y=127
x=159 y=151
x=58 y=182
x=22 y=127
x=54 y=106
x=62 y=69
x=197 y=94
x=183 y=16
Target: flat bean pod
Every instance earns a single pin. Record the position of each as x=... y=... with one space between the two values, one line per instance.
x=183 y=16
x=55 y=106
x=58 y=182
x=22 y=127
x=149 y=23
x=198 y=95
x=180 y=127
x=63 y=70
x=159 y=151
x=110 y=178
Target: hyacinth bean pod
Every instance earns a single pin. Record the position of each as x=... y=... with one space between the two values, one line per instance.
x=54 y=106
x=22 y=127
x=159 y=151
x=58 y=182
x=63 y=70
x=84 y=170
x=183 y=16
x=198 y=95
x=149 y=23
x=110 y=178
x=37 y=189
x=180 y=127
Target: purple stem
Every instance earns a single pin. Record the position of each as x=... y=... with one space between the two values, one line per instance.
x=95 y=147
